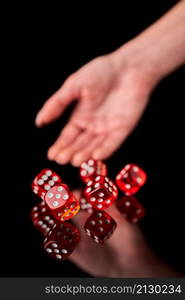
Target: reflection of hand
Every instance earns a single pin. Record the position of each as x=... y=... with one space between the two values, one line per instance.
x=125 y=254
x=110 y=103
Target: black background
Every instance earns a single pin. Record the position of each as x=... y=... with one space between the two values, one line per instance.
x=42 y=49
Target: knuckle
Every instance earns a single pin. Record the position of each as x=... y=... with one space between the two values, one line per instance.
x=86 y=92
x=69 y=80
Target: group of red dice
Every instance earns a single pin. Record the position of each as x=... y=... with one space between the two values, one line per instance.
x=59 y=205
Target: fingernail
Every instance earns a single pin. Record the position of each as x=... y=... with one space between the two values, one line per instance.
x=62 y=159
x=50 y=154
x=95 y=155
x=38 y=122
x=76 y=161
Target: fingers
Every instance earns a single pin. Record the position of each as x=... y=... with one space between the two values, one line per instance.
x=66 y=154
x=86 y=153
x=110 y=144
x=77 y=124
x=55 y=105
x=67 y=136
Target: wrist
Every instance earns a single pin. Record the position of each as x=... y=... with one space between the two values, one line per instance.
x=136 y=57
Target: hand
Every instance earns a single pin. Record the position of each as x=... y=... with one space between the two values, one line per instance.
x=112 y=91
x=125 y=254
x=110 y=103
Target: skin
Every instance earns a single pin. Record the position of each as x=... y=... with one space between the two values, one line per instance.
x=112 y=92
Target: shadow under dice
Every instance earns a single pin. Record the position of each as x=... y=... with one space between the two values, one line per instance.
x=61 y=202
x=130 y=208
x=100 y=226
x=42 y=218
x=62 y=240
x=91 y=168
x=44 y=181
x=101 y=192
x=131 y=179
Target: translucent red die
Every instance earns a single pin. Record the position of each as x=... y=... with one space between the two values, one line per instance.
x=100 y=226
x=91 y=168
x=44 y=181
x=101 y=192
x=85 y=205
x=131 y=179
x=130 y=208
x=62 y=240
x=62 y=202
x=42 y=218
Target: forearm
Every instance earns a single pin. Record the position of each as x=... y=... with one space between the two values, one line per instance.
x=160 y=49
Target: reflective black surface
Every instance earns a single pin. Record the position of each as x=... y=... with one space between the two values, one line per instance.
x=42 y=53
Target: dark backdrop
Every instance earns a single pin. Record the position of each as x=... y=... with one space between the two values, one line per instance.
x=43 y=48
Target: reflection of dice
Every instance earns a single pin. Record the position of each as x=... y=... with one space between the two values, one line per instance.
x=61 y=202
x=131 y=179
x=101 y=192
x=130 y=208
x=42 y=218
x=90 y=169
x=44 y=181
x=100 y=226
x=85 y=205
x=62 y=240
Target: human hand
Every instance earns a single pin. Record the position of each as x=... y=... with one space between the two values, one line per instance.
x=111 y=96
x=124 y=254
x=112 y=91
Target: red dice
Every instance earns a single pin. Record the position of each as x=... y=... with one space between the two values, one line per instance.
x=85 y=205
x=131 y=179
x=44 y=181
x=91 y=168
x=130 y=208
x=100 y=226
x=42 y=218
x=61 y=202
x=62 y=240
x=101 y=192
